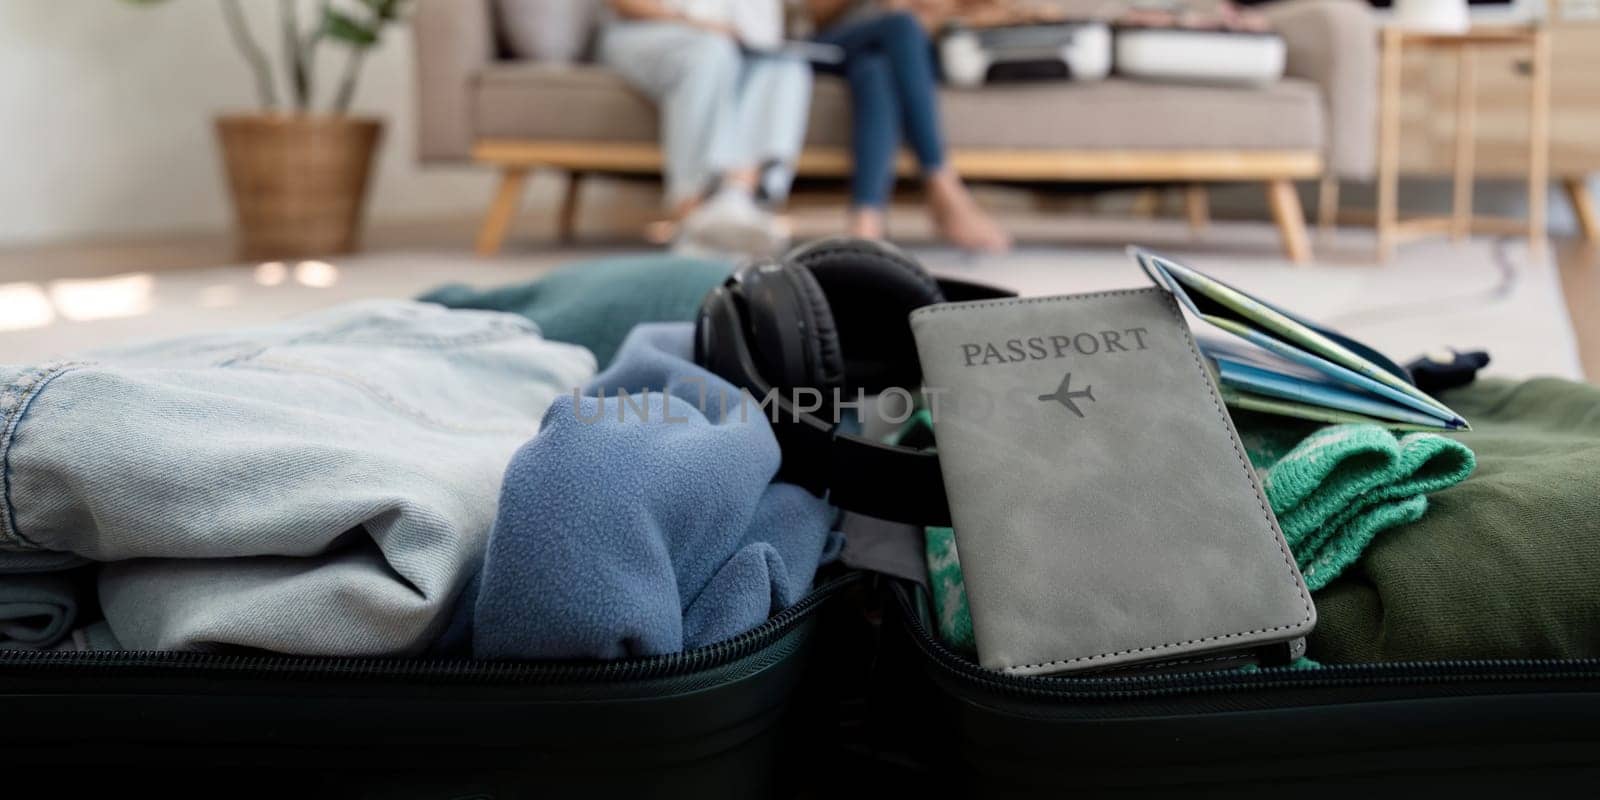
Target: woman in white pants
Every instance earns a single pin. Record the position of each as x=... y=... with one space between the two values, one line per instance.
x=732 y=122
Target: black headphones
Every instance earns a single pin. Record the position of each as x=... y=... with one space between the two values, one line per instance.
x=831 y=315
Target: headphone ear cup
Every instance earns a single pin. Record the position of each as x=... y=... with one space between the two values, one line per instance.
x=871 y=288
x=825 y=361
x=716 y=323
x=788 y=327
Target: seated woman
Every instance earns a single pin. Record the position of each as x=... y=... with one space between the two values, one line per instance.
x=894 y=95
x=732 y=124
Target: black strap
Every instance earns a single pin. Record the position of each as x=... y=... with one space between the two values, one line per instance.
x=879 y=480
x=888 y=482
x=1436 y=376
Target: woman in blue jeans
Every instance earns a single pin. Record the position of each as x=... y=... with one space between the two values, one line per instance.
x=894 y=97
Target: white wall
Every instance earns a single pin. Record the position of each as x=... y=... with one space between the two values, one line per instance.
x=105 y=119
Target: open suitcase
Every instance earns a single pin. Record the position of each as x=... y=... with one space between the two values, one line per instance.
x=844 y=693
x=1485 y=726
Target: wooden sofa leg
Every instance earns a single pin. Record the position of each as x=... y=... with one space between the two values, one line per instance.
x=507 y=199
x=1583 y=207
x=1291 y=220
x=1327 y=205
x=1197 y=207
x=567 y=224
x=1146 y=203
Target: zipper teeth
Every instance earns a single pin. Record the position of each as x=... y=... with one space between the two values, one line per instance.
x=1172 y=685
x=465 y=670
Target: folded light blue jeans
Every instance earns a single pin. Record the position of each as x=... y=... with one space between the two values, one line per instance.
x=323 y=486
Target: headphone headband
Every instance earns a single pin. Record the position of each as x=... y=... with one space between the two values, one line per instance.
x=865 y=291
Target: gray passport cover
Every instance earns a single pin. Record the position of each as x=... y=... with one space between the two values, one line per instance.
x=1104 y=508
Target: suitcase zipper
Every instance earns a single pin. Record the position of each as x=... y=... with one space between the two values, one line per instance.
x=438 y=670
x=1178 y=685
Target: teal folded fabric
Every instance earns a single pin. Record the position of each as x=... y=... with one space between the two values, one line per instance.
x=949 y=589
x=595 y=303
x=1333 y=489
x=91 y=637
x=37 y=611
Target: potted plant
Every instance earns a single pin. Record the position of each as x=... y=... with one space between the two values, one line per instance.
x=298 y=173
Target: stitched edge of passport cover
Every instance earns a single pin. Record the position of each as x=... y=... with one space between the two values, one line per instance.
x=1244 y=464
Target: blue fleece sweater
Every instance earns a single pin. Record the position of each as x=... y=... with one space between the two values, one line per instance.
x=645 y=523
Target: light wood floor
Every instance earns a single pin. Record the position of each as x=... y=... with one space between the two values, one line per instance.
x=1579 y=263
x=99 y=258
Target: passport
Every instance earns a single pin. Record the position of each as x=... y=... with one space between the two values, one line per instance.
x=1104 y=509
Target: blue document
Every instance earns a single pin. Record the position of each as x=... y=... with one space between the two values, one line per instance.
x=1280 y=363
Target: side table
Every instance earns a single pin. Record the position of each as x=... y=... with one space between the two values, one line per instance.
x=1461 y=222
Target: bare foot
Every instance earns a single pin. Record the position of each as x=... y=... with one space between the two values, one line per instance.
x=959 y=218
x=746 y=178
x=867 y=223
x=663 y=231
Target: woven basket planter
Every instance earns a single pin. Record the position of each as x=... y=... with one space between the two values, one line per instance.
x=299 y=183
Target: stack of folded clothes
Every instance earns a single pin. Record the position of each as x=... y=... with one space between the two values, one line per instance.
x=399 y=478
x=323 y=486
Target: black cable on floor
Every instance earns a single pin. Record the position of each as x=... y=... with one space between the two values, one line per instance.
x=1509 y=278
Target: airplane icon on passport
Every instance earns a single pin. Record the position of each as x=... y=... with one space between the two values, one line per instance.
x=1066 y=397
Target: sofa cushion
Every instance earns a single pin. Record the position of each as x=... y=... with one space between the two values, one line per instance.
x=590 y=103
x=1107 y=115
x=554 y=31
x=521 y=100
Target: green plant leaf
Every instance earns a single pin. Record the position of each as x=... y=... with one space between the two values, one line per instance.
x=385 y=10
x=339 y=25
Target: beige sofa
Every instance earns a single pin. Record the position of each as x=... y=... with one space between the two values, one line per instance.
x=476 y=106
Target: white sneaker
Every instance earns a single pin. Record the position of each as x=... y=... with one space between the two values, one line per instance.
x=731 y=223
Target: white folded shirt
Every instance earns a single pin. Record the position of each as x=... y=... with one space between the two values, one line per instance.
x=758 y=23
